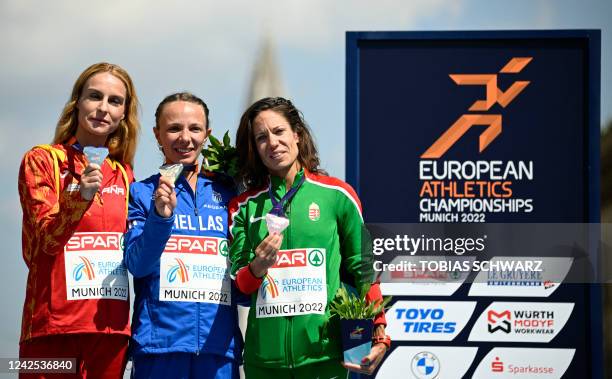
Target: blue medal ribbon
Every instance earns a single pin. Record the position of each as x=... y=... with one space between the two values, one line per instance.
x=277 y=206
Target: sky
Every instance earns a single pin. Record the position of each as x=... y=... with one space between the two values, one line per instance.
x=208 y=48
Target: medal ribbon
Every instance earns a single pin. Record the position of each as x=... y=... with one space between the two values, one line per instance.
x=277 y=206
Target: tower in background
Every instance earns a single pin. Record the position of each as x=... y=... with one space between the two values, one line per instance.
x=266 y=77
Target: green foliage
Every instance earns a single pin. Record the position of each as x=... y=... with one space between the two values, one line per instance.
x=221 y=156
x=347 y=305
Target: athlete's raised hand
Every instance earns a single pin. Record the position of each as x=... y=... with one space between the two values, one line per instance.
x=91 y=180
x=165 y=197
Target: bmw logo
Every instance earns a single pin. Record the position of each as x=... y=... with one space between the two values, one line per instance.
x=425 y=365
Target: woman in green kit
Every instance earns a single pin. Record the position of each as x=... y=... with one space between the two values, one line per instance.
x=293 y=274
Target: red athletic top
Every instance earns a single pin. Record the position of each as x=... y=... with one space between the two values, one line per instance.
x=51 y=219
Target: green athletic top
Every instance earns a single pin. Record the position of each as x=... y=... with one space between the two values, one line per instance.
x=289 y=323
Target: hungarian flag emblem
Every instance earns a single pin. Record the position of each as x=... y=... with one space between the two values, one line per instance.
x=314 y=213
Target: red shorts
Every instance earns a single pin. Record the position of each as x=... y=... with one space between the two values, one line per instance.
x=97 y=355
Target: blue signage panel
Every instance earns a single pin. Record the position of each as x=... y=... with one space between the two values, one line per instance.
x=481 y=127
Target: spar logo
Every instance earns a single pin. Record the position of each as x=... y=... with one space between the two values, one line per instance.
x=83 y=268
x=493 y=122
x=425 y=276
x=299 y=258
x=193 y=244
x=316 y=258
x=425 y=365
x=178 y=271
x=223 y=248
x=269 y=286
x=95 y=242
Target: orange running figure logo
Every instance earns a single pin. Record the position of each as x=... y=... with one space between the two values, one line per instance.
x=492 y=121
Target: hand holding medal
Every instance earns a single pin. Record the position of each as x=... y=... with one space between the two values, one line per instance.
x=277 y=222
x=171 y=171
x=165 y=197
x=95 y=155
x=91 y=178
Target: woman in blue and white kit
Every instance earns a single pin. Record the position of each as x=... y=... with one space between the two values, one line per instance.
x=185 y=322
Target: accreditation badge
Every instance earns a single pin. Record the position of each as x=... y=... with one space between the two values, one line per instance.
x=196 y=269
x=295 y=285
x=94 y=267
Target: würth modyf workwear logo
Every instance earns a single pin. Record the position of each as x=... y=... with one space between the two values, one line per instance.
x=499 y=321
x=492 y=121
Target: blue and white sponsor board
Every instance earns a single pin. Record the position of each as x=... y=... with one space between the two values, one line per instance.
x=427 y=362
x=528 y=363
x=481 y=127
x=428 y=320
x=516 y=283
x=397 y=280
x=521 y=322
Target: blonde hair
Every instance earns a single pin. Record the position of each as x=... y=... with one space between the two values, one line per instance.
x=122 y=142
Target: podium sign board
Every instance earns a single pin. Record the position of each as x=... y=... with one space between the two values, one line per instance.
x=482 y=128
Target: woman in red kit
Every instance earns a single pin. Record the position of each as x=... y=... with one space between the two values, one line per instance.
x=74 y=217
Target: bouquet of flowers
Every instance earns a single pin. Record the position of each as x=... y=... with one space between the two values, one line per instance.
x=356 y=318
x=221 y=157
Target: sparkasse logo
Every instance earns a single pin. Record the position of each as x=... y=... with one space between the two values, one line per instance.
x=530 y=369
x=497 y=365
x=522 y=362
